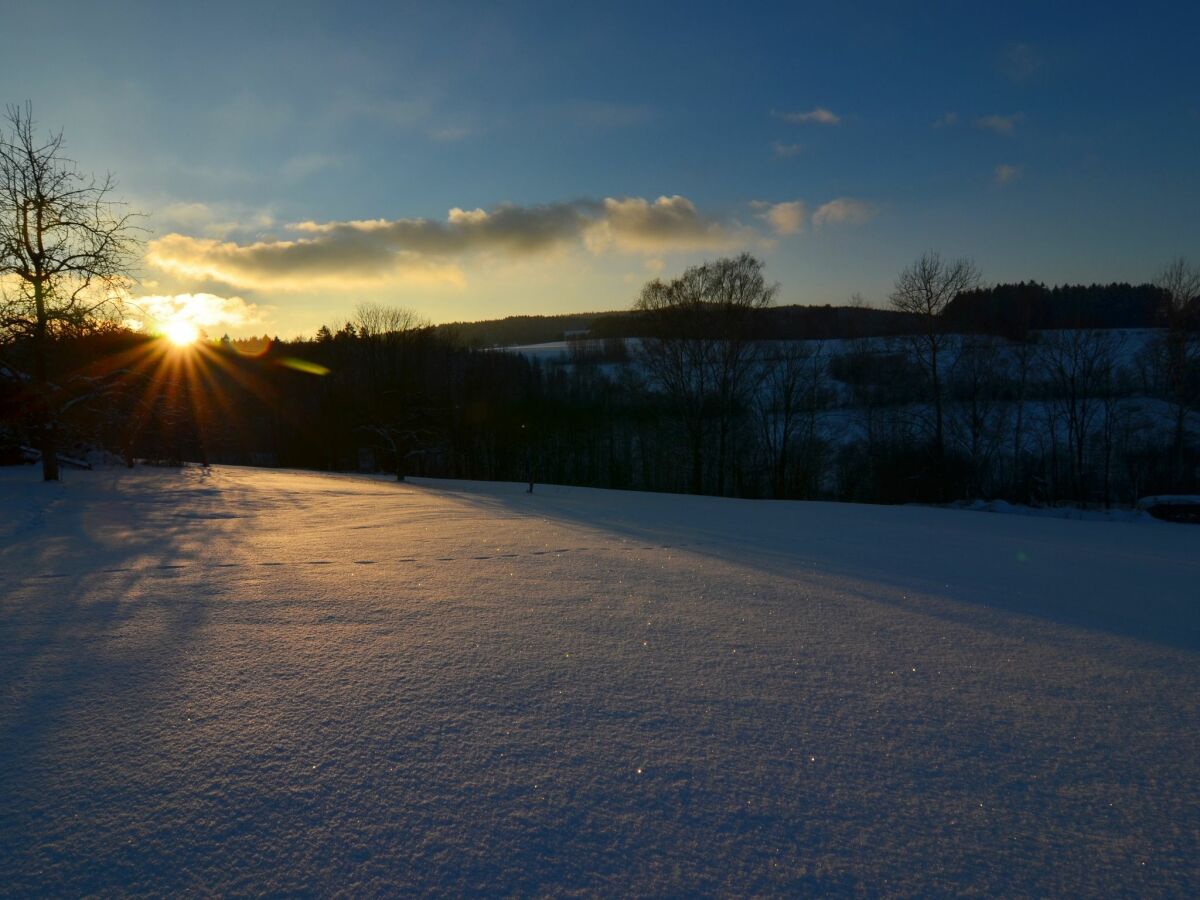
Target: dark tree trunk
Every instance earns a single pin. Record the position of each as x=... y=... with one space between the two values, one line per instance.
x=939 y=440
x=47 y=439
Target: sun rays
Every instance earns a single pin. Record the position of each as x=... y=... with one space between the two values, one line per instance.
x=177 y=382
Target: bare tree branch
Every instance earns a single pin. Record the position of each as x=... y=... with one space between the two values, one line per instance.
x=66 y=252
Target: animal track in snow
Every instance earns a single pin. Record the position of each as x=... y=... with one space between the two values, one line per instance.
x=163 y=567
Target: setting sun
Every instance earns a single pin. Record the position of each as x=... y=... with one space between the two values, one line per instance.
x=181 y=333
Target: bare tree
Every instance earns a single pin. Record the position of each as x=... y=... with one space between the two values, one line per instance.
x=1180 y=345
x=739 y=291
x=1021 y=359
x=373 y=320
x=66 y=250
x=924 y=289
x=387 y=354
x=976 y=414
x=677 y=355
x=1078 y=364
x=787 y=407
x=1114 y=419
x=699 y=350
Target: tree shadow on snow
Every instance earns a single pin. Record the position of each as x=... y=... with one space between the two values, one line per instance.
x=90 y=605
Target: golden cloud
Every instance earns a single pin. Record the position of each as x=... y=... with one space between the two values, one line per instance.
x=380 y=251
x=784 y=218
x=298 y=265
x=844 y=211
x=635 y=225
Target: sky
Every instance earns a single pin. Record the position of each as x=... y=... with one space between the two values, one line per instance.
x=472 y=161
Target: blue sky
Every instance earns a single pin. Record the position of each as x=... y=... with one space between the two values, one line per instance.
x=1048 y=141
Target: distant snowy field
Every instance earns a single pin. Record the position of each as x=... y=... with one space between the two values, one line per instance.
x=263 y=681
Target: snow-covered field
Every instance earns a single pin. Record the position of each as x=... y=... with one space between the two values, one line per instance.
x=262 y=681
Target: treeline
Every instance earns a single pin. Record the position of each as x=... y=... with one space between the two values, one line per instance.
x=1016 y=309
x=1082 y=416
x=699 y=402
x=1006 y=309
x=409 y=401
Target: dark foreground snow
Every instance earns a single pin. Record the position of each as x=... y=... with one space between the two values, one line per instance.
x=280 y=682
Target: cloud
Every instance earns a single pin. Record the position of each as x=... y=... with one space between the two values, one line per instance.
x=211 y=220
x=844 y=211
x=329 y=261
x=1005 y=173
x=785 y=151
x=669 y=223
x=1020 y=62
x=187 y=215
x=207 y=311
x=949 y=120
x=424 y=251
x=783 y=218
x=511 y=229
x=816 y=116
x=1002 y=125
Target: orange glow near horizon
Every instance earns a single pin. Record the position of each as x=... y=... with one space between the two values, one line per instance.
x=174 y=371
x=179 y=371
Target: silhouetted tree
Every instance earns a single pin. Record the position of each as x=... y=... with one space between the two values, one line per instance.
x=1078 y=364
x=924 y=289
x=65 y=255
x=1022 y=356
x=976 y=414
x=787 y=410
x=1180 y=346
x=699 y=350
x=373 y=320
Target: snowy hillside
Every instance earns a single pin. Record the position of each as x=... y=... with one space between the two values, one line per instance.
x=262 y=681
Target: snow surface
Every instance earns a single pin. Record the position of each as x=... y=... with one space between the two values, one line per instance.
x=273 y=682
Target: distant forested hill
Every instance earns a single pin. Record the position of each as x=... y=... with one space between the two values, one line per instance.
x=778 y=322
x=514 y=330
x=1007 y=309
